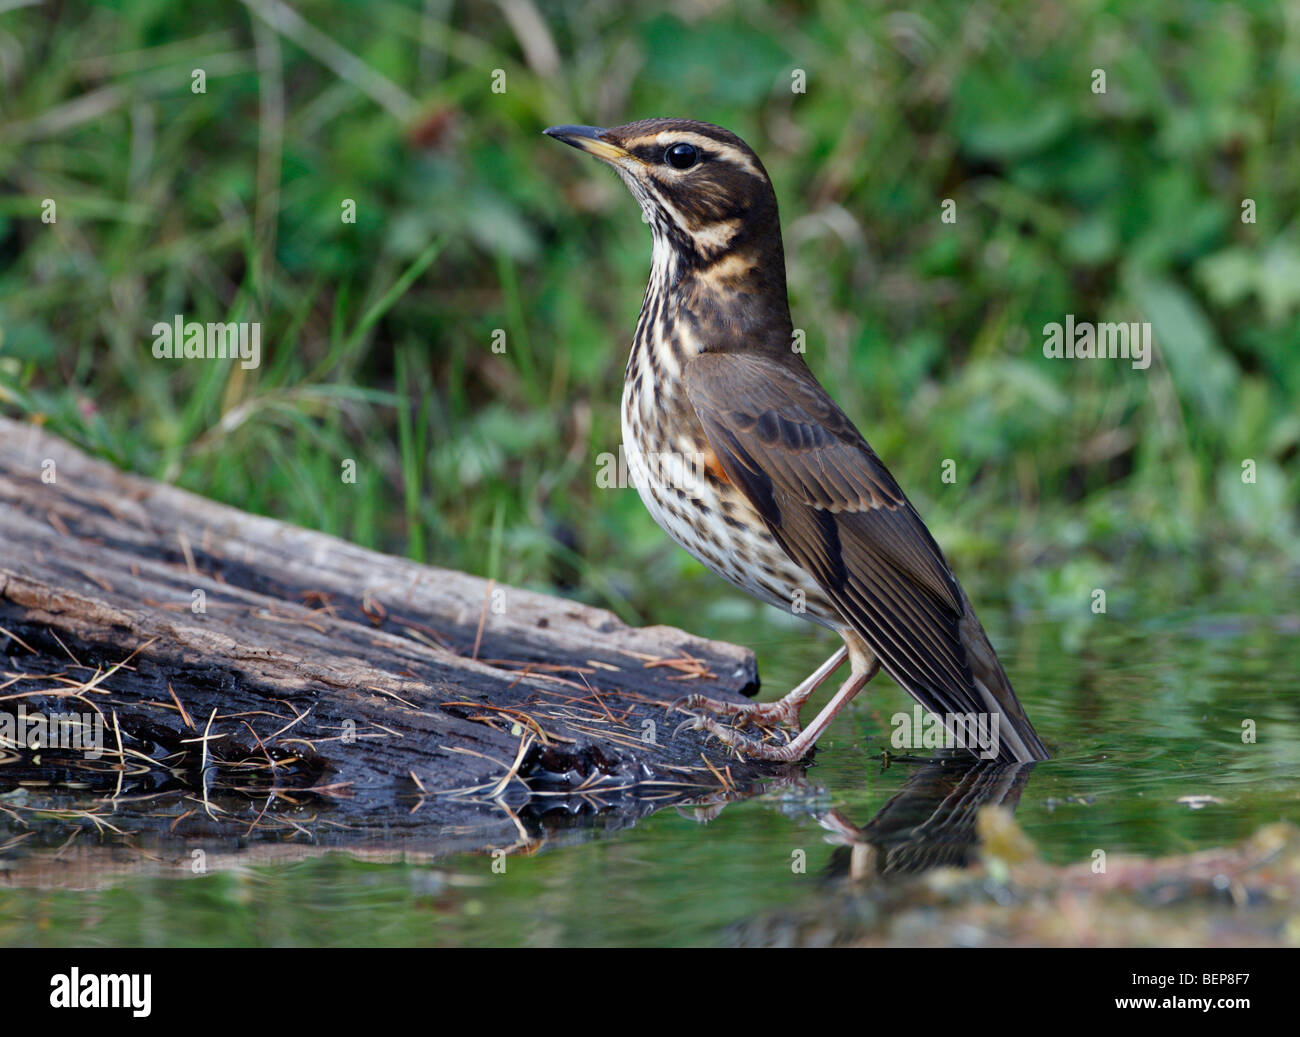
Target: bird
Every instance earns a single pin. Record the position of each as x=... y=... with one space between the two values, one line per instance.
x=746 y=461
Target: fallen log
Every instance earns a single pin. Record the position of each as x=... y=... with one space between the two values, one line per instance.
x=238 y=675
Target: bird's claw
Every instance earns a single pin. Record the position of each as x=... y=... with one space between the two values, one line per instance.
x=698 y=701
x=741 y=744
x=763 y=715
x=692 y=722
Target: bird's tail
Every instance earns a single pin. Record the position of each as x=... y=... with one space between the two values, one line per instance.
x=1018 y=742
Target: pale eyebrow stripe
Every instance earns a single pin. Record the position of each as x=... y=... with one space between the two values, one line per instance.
x=727 y=151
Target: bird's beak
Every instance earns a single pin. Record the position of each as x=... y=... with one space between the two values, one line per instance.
x=590 y=139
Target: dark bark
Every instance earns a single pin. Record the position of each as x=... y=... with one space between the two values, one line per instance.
x=341 y=690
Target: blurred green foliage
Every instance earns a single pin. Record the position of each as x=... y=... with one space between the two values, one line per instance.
x=377 y=335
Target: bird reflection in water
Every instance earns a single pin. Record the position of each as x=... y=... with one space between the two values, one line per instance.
x=929 y=823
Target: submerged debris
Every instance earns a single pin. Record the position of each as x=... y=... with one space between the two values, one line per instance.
x=1243 y=895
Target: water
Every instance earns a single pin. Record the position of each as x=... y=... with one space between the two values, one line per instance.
x=1145 y=718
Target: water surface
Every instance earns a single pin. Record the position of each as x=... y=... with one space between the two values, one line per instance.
x=1145 y=716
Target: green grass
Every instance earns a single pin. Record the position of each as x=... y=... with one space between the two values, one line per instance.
x=378 y=335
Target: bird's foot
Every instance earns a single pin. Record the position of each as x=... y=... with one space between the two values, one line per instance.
x=782 y=712
x=743 y=744
x=766 y=717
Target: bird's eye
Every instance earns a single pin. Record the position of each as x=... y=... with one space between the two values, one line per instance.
x=682 y=156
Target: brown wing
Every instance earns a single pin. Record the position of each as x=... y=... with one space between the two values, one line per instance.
x=839 y=514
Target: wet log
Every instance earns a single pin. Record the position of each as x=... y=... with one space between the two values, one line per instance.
x=248 y=676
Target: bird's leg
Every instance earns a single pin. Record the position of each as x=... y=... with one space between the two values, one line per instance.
x=864 y=668
x=784 y=710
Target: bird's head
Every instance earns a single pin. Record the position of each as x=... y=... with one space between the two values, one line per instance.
x=702 y=189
